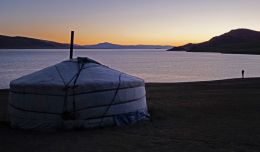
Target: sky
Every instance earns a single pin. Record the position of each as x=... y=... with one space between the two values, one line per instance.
x=164 y=22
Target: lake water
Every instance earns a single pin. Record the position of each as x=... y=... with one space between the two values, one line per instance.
x=151 y=65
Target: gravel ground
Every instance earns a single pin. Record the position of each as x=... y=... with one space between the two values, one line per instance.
x=208 y=116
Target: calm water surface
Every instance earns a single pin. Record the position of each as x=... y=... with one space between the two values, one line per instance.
x=151 y=65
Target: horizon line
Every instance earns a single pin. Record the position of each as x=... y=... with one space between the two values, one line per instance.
x=115 y=43
x=45 y=39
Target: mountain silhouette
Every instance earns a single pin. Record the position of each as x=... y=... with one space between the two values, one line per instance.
x=107 y=45
x=18 y=42
x=241 y=41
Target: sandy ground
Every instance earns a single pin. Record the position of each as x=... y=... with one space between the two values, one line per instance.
x=201 y=116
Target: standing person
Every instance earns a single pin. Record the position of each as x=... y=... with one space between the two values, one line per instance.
x=243 y=73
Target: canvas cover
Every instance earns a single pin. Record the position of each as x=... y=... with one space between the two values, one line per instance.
x=79 y=93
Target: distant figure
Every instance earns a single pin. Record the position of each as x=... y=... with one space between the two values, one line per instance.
x=243 y=74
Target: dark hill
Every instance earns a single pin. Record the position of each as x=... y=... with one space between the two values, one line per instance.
x=241 y=41
x=8 y=42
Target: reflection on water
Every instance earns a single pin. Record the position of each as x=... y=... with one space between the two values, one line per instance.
x=151 y=65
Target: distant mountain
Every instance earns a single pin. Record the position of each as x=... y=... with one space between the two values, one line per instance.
x=8 y=42
x=107 y=45
x=17 y=42
x=240 y=41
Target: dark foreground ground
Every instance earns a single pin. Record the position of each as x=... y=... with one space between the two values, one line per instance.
x=201 y=116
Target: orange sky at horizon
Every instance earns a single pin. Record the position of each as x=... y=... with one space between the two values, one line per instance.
x=88 y=39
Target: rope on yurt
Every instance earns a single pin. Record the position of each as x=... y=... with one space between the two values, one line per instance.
x=112 y=101
x=81 y=62
x=65 y=89
x=74 y=86
x=66 y=115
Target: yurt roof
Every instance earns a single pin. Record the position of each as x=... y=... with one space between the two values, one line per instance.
x=87 y=74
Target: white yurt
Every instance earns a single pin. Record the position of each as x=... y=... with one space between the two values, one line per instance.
x=76 y=94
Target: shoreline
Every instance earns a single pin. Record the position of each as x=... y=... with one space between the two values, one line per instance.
x=184 y=82
x=219 y=115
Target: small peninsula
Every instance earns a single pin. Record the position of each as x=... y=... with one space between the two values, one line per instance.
x=239 y=41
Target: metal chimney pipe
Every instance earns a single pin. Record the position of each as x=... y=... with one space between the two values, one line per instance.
x=71 y=44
